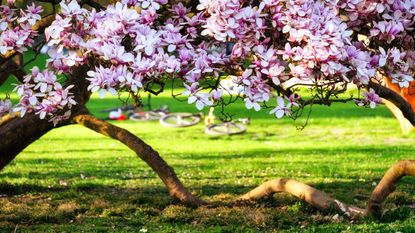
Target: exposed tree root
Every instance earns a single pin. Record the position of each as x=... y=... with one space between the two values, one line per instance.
x=387 y=185
x=145 y=152
x=313 y=196
x=324 y=202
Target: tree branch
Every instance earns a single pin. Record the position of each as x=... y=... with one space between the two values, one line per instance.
x=54 y=2
x=396 y=99
x=17 y=133
x=145 y=152
x=279 y=89
x=11 y=68
x=93 y=4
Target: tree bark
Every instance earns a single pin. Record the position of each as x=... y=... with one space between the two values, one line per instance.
x=18 y=133
x=7 y=118
x=396 y=99
x=11 y=68
x=145 y=152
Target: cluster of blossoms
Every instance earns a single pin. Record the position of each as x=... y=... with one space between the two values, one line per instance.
x=323 y=43
x=318 y=42
x=130 y=51
x=42 y=94
x=391 y=24
x=370 y=99
x=17 y=36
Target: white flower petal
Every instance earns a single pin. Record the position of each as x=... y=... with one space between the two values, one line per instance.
x=191 y=99
x=199 y=105
x=280 y=102
x=33 y=100
x=279 y=113
x=102 y=93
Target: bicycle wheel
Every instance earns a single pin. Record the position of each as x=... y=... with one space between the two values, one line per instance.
x=145 y=116
x=179 y=120
x=226 y=128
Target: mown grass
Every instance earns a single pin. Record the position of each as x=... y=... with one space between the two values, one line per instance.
x=75 y=180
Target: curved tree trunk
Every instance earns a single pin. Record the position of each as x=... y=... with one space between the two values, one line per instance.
x=406 y=126
x=18 y=133
x=396 y=99
x=145 y=152
x=409 y=95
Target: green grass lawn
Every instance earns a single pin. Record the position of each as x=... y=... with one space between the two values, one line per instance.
x=75 y=180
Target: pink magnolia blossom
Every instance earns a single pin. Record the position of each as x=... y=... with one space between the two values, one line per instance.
x=370 y=99
x=281 y=109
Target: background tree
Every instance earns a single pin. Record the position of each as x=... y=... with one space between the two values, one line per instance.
x=136 y=46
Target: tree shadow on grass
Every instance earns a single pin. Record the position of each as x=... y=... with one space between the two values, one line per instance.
x=350 y=192
x=98 y=205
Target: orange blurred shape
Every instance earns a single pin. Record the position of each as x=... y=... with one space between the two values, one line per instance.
x=407 y=93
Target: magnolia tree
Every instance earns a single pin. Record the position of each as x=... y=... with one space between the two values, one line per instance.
x=326 y=46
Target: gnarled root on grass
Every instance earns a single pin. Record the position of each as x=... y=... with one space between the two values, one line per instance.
x=323 y=201
x=145 y=152
x=387 y=185
x=315 y=197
